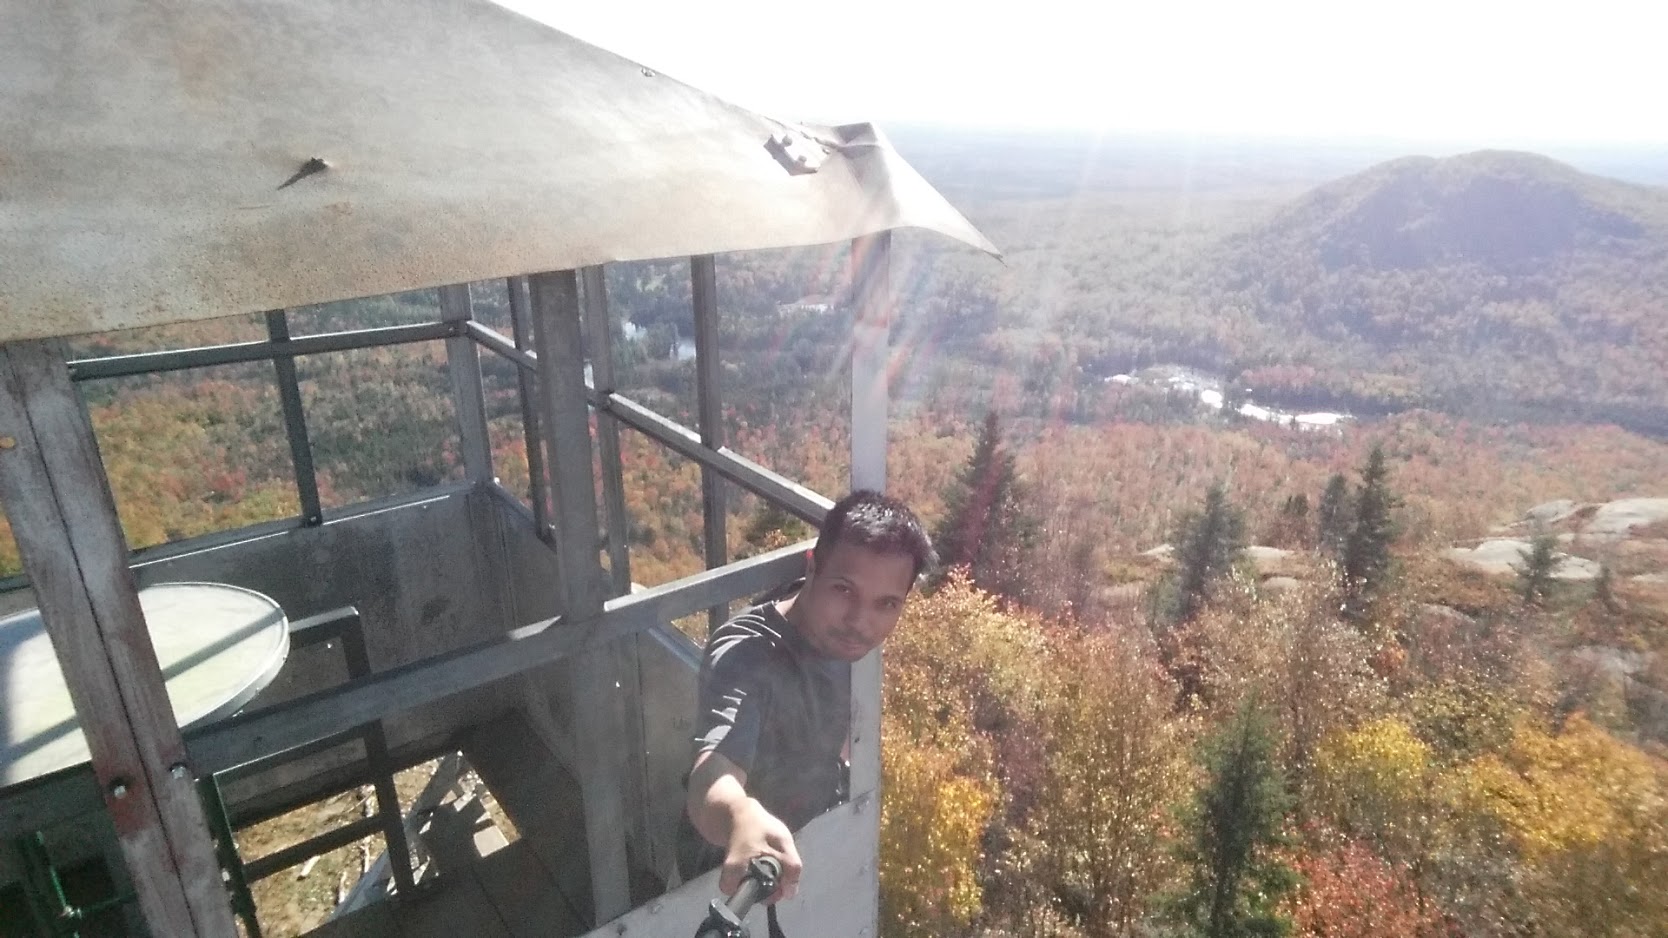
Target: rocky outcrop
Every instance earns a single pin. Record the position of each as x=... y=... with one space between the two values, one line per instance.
x=1502 y=556
x=1621 y=517
x=1550 y=513
x=1620 y=672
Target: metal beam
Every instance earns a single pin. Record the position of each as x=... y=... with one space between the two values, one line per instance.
x=871 y=258
x=802 y=502
x=463 y=363
x=358 y=659
x=591 y=691
x=703 y=275
x=625 y=655
x=279 y=728
x=122 y=366
x=64 y=518
x=295 y=420
x=601 y=328
x=562 y=389
x=521 y=324
x=297 y=854
x=518 y=353
x=805 y=504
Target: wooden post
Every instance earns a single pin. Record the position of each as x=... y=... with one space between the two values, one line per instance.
x=600 y=330
x=871 y=338
x=463 y=361
x=62 y=513
x=592 y=688
x=703 y=274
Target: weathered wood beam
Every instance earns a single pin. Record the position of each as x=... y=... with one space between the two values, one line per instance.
x=64 y=518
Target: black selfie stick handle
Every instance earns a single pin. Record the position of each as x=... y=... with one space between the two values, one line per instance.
x=724 y=918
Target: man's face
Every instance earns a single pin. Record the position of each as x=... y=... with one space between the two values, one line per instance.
x=851 y=603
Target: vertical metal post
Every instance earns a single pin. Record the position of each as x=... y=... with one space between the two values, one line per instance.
x=872 y=293
x=225 y=842
x=463 y=362
x=521 y=325
x=592 y=685
x=599 y=326
x=871 y=258
x=703 y=273
x=64 y=517
x=358 y=659
x=626 y=655
x=295 y=421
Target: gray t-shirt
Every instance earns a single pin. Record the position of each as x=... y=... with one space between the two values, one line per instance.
x=777 y=709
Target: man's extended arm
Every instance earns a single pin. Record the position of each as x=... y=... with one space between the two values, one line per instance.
x=727 y=816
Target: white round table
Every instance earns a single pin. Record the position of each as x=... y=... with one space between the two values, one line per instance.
x=218 y=646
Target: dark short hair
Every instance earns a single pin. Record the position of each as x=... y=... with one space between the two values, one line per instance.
x=879 y=522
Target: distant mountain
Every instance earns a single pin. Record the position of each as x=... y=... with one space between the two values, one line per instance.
x=1511 y=211
x=1492 y=282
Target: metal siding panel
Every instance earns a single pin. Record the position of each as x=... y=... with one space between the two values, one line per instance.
x=448 y=129
x=836 y=895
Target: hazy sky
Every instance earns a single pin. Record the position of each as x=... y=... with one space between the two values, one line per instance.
x=1476 y=71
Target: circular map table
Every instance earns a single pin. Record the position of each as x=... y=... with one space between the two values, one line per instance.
x=218 y=646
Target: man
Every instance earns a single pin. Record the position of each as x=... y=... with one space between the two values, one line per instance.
x=775 y=692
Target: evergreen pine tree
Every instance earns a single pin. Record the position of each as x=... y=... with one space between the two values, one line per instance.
x=1236 y=886
x=1534 y=573
x=1332 y=515
x=1365 y=563
x=1291 y=528
x=1207 y=544
x=986 y=528
x=770 y=527
x=1604 y=590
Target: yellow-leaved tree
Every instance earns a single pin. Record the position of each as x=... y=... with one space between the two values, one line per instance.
x=1116 y=763
x=1588 y=813
x=1379 y=783
x=959 y=673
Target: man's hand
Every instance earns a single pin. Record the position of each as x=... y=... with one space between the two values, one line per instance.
x=727 y=816
x=757 y=832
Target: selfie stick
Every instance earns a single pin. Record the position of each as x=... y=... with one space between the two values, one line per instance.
x=724 y=918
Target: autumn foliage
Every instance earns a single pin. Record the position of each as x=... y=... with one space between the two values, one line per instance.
x=1448 y=771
